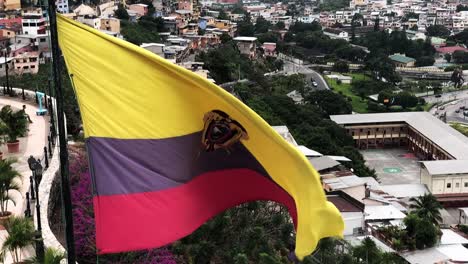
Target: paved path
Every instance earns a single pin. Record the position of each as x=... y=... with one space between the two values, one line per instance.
x=33 y=144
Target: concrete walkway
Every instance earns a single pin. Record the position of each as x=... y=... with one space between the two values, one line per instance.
x=33 y=144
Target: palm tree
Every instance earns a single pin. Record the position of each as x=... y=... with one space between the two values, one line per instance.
x=20 y=234
x=427 y=207
x=51 y=256
x=7 y=176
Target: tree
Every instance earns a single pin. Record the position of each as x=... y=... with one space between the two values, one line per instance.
x=426 y=234
x=448 y=57
x=51 y=256
x=222 y=15
x=367 y=252
x=245 y=28
x=280 y=25
x=437 y=31
x=341 y=66
x=330 y=102
x=225 y=38
x=427 y=207
x=462 y=8
x=262 y=25
x=121 y=13
x=8 y=175
x=377 y=24
x=425 y=61
x=382 y=67
x=460 y=56
x=20 y=235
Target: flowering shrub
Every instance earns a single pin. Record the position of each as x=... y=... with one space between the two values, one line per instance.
x=83 y=220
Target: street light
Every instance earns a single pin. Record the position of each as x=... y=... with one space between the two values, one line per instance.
x=36 y=169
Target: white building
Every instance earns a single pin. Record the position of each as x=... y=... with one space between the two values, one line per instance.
x=33 y=24
x=62 y=6
x=445 y=176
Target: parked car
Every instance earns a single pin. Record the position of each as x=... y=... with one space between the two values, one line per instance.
x=438 y=96
x=462 y=107
x=442 y=107
x=457 y=111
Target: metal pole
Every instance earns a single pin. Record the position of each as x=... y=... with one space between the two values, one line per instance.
x=38 y=236
x=50 y=146
x=6 y=71
x=27 y=213
x=32 y=187
x=46 y=158
x=62 y=137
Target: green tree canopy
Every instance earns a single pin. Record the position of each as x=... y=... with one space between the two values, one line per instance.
x=438 y=31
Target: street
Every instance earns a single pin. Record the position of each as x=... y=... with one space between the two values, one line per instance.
x=450 y=109
x=295 y=68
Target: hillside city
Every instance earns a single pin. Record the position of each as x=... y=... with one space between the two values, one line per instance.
x=372 y=92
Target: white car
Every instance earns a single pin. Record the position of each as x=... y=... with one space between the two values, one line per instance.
x=314 y=83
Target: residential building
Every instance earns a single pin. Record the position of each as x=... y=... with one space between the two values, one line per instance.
x=269 y=49
x=8 y=33
x=4 y=66
x=110 y=24
x=336 y=33
x=27 y=62
x=10 y=4
x=62 y=6
x=33 y=22
x=156 y=48
x=401 y=60
x=83 y=10
x=247 y=46
x=107 y=10
x=351 y=210
x=140 y=9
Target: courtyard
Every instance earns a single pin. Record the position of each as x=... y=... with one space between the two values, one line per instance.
x=393 y=166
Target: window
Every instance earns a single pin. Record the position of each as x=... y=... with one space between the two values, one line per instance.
x=34 y=66
x=25 y=24
x=8 y=33
x=43 y=40
x=377 y=129
x=368 y=133
x=466 y=184
x=26 y=67
x=352 y=133
x=449 y=185
x=360 y=130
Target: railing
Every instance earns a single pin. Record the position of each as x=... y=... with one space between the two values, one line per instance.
x=42 y=179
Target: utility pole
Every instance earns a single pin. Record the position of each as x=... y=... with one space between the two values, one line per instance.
x=63 y=151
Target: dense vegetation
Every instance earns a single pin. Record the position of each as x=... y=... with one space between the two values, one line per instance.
x=40 y=82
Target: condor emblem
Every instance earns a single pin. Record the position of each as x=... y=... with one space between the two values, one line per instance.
x=221 y=131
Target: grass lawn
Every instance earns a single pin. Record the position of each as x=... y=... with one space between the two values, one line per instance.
x=359 y=105
x=460 y=128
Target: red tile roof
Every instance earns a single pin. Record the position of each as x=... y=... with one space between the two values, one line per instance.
x=451 y=49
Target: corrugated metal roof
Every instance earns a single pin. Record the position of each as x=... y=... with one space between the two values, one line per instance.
x=382 y=212
x=435 y=130
x=405 y=190
x=322 y=163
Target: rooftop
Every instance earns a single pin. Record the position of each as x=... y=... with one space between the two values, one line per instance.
x=434 y=129
x=405 y=190
x=323 y=163
x=339 y=183
x=401 y=58
x=442 y=167
x=345 y=203
x=382 y=212
x=251 y=39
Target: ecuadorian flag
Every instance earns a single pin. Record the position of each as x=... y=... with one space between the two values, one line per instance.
x=168 y=150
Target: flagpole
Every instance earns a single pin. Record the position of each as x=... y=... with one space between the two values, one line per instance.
x=66 y=197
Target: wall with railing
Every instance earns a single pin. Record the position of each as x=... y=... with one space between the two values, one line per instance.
x=48 y=193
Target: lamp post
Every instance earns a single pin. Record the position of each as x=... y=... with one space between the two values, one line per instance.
x=36 y=168
x=7 y=50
